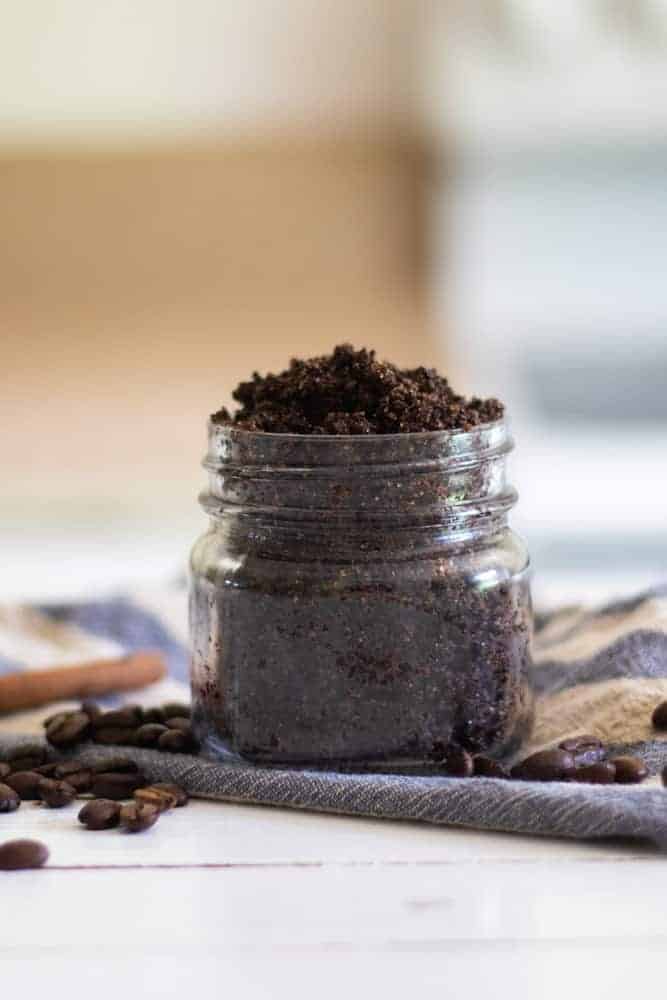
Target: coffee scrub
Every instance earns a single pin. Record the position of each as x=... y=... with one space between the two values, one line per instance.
x=358 y=600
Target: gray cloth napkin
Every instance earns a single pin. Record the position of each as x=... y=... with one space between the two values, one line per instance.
x=600 y=672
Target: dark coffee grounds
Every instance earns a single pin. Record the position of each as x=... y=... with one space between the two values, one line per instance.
x=351 y=392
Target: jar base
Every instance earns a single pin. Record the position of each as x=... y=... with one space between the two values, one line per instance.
x=216 y=749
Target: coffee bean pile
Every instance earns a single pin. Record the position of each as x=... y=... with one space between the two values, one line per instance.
x=166 y=727
x=580 y=758
x=118 y=794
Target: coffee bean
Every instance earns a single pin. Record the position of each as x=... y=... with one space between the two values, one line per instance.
x=9 y=799
x=81 y=781
x=17 y=854
x=157 y=797
x=485 y=767
x=28 y=758
x=100 y=814
x=91 y=709
x=585 y=749
x=149 y=734
x=117 y=786
x=5 y=769
x=174 y=709
x=154 y=714
x=68 y=730
x=138 y=816
x=178 y=722
x=47 y=770
x=659 y=717
x=629 y=770
x=74 y=772
x=457 y=763
x=174 y=741
x=66 y=767
x=601 y=773
x=57 y=716
x=115 y=737
x=127 y=717
x=26 y=783
x=26 y=763
x=56 y=794
x=116 y=765
x=545 y=765
x=176 y=791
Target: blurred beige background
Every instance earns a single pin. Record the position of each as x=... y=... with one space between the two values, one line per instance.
x=189 y=192
x=192 y=190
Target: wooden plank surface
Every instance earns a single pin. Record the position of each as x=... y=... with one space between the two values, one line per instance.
x=269 y=903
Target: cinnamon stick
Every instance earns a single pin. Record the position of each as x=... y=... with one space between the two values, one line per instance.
x=32 y=688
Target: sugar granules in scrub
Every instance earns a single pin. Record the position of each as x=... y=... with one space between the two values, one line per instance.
x=359 y=600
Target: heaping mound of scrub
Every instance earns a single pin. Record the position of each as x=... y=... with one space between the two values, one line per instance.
x=351 y=392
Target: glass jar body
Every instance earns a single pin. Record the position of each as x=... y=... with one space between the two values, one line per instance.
x=383 y=661
x=359 y=603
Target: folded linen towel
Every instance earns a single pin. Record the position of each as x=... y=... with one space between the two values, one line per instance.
x=600 y=672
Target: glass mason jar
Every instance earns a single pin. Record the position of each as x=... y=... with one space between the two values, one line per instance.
x=359 y=601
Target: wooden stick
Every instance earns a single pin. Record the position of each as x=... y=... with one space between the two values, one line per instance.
x=32 y=688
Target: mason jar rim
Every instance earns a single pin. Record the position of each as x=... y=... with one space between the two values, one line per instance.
x=291 y=435
x=231 y=446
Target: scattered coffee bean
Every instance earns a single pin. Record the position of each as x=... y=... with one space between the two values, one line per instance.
x=629 y=770
x=127 y=717
x=56 y=794
x=17 y=854
x=100 y=814
x=585 y=749
x=485 y=767
x=74 y=772
x=457 y=763
x=179 y=793
x=68 y=730
x=178 y=722
x=9 y=799
x=47 y=770
x=174 y=741
x=28 y=758
x=52 y=718
x=26 y=783
x=174 y=710
x=117 y=786
x=26 y=763
x=91 y=709
x=659 y=717
x=155 y=714
x=114 y=737
x=138 y=816
x=601 y=773
x=5 y=769
x=545 y=765
x=116 y=765
x=64 y=768
x=158 y=797
x=149 y=734
x=81 y=781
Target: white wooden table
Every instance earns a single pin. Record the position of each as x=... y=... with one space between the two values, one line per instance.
x=261 y=902
x=251 y=902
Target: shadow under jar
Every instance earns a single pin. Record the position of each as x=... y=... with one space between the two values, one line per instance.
x=359 y=601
